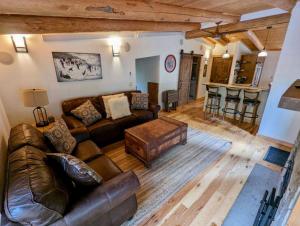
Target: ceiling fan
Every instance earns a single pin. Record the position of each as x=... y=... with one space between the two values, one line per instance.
x=217 y=35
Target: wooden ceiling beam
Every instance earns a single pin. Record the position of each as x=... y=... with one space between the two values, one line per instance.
x=223 y=41
x=254 y=39
x=282 y=4
x=113 y=9
x=209 y=41
x=242 y=26
x=20 y=24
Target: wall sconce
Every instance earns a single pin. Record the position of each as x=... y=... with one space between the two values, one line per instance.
x=206 y=56
x=116 y=46
x=19 y=43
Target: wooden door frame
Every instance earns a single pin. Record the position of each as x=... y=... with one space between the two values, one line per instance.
x=198 y=74
x=178 y=84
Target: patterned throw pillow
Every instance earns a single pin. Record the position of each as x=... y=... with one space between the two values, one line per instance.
x=60 y=136
x=105 y=101
x=139 y=101
x=119 y=107
x=76 y=169
x=87 y=113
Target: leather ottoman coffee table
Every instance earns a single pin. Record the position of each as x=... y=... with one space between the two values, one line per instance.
x=149 y=140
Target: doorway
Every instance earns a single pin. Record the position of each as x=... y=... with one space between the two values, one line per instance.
x=188 y=77
x=147 y=76
x=195 y=77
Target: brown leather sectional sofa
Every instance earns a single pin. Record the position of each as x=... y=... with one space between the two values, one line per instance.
x=39 y=194
x=107 y=131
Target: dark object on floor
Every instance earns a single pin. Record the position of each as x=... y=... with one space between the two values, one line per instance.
x=244 y=210
x=276 y=156
x=267 y=210
x=170 y=98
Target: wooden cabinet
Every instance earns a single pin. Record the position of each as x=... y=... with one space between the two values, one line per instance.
x=220 y=71
x=247 y=68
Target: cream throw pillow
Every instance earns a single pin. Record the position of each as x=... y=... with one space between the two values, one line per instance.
x=119 y=107
x=105 y=101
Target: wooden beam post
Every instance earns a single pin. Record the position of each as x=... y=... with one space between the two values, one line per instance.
x=242 y=26
x=113 y=9
x=20 y=24
x=254 y=39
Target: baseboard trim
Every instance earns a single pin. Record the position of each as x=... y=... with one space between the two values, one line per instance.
x=276 y=141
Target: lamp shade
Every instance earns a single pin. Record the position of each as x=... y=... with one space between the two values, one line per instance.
x=35 y=97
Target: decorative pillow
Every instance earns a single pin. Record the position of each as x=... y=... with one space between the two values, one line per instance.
x=119 y=107
x=87 y=113
x=105 y=101
x=139 y=101
x=76 y=169
x=60 y=136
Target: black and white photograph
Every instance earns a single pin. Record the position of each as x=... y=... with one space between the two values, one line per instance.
x=77 y=66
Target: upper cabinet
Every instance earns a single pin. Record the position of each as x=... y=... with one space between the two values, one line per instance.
x=220 y=71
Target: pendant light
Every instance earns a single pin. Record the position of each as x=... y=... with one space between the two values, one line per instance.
x=226 y=55
x=263 y=52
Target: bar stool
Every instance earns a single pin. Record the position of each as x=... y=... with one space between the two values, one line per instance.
x=232 y=97
x=213 y=100
x=250 y=99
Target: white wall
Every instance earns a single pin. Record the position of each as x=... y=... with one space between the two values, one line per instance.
x=269 y=68
x=36 y=70
x=147 y=70
x=278 y=123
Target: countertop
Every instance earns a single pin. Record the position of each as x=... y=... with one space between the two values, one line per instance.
x=239 y=86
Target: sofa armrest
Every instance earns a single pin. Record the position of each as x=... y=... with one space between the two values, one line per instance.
x=81 y=134
x=154 y=108
x=103 y=199
x=72 y=122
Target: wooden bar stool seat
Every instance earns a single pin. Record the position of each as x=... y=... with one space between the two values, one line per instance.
x=250 y=100
x=213 y=100
x=232 y=97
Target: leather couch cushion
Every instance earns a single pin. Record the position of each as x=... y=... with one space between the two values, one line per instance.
x=126 y=122
x=142 y=115
x=36 y=194
x=25 y=134
x=105 y=167
x=104 y=132
x=76 y=169
x=69 y=105
x=87 y=150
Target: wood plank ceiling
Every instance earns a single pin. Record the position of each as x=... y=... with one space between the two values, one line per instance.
x=65 y=16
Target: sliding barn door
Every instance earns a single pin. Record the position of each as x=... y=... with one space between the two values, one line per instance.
x=185 y=71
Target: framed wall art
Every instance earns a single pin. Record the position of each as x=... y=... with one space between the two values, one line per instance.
x=71 y=67
x=170 y=63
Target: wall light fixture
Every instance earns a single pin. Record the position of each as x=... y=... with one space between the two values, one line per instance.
x=19 y=43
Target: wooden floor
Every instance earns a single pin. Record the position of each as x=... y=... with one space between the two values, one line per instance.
x=207 y=199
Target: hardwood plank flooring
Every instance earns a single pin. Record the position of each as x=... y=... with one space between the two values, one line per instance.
x=206 y=199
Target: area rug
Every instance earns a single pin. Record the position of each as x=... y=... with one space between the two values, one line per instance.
x=245 y=207
x=276 y=156
x=175 y=169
